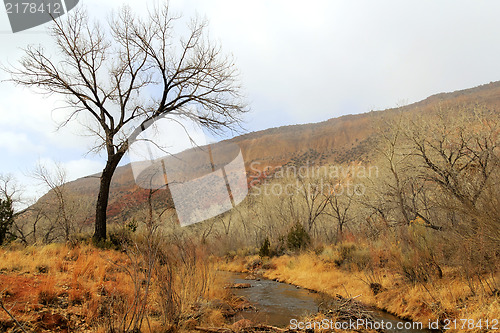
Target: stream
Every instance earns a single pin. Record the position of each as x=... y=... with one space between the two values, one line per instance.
x=279 y=303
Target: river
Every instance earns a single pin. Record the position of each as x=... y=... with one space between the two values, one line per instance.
x=278 y=304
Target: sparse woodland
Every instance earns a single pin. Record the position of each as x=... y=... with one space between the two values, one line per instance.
x=415 y=231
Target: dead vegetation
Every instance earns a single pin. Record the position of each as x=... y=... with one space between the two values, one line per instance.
x=82 y=288
x=421 y=240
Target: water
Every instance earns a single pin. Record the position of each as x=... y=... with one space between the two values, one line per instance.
x=279 y=303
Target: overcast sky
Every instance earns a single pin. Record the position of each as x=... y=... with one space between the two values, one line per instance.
x=300 y=62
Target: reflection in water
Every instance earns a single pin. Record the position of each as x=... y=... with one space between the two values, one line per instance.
x=278 y=303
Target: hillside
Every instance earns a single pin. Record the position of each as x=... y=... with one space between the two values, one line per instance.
x=337 y=140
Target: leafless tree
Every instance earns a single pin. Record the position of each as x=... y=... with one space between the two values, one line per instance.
x=312 y=191
x=121 y=77
x=62 y=209
x=396 y=157
x=10 y=189
x=405 y=193
x=26 y=226
x=459 y=155
x=341 y=206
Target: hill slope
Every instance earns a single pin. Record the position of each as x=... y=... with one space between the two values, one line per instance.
x=338 y=140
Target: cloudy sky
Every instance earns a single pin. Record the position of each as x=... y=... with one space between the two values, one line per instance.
x=300 y=62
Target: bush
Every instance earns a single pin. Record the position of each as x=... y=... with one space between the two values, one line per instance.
x=318 y=250
x=416 y=256
x=280 y=248
x=417 y=267
x=351 y=255
x=118 y=239
x=78 y=239
x=265 y=248
x=298 y=238
x=6 y=218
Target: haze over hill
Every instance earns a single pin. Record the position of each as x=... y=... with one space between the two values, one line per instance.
x=338 y=140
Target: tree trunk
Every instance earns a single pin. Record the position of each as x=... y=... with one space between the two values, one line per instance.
x=340 y=232
x=103 y=197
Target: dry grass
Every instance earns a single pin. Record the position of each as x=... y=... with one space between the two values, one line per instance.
x=236 y=264
x=89 y=287
x=55 y=277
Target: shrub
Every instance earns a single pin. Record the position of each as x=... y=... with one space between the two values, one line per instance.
x=43 y=269
x=77 y=239
x=120 y=238
x=351 y=255
x=415 y=257
x=265 y=248
x=6 y=218
x=46 y=297
x=298 y=238
x=280 y=247
x=117 y=239
x=318 y=250
x=344 y=252
x=416 y=267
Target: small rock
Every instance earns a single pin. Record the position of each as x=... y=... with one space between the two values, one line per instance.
x=226 y=310
x=245 y=305
x=241 y=285
x=242 y=324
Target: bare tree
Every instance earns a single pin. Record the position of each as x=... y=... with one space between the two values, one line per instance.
x=459 y=156
x=26 y=227
x=341 y=206
x=396 y=155
x=404 y=192
x=312 y=191
x=105 y=74
x=60 y=207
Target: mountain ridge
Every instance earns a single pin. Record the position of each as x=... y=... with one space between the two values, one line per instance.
x=338 y=140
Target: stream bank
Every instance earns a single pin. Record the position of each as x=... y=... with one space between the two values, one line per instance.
x=285 y=305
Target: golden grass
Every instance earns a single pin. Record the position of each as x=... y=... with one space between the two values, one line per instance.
x=92 y=282
x=236 y=264
x=37 y=278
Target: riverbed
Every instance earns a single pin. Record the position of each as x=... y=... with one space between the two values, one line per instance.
x=281 y=304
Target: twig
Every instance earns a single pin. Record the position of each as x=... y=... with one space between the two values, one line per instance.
x=272 y=328
x=228 y=330
x=213 y=329
x=348 y=294
x=10 y=315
